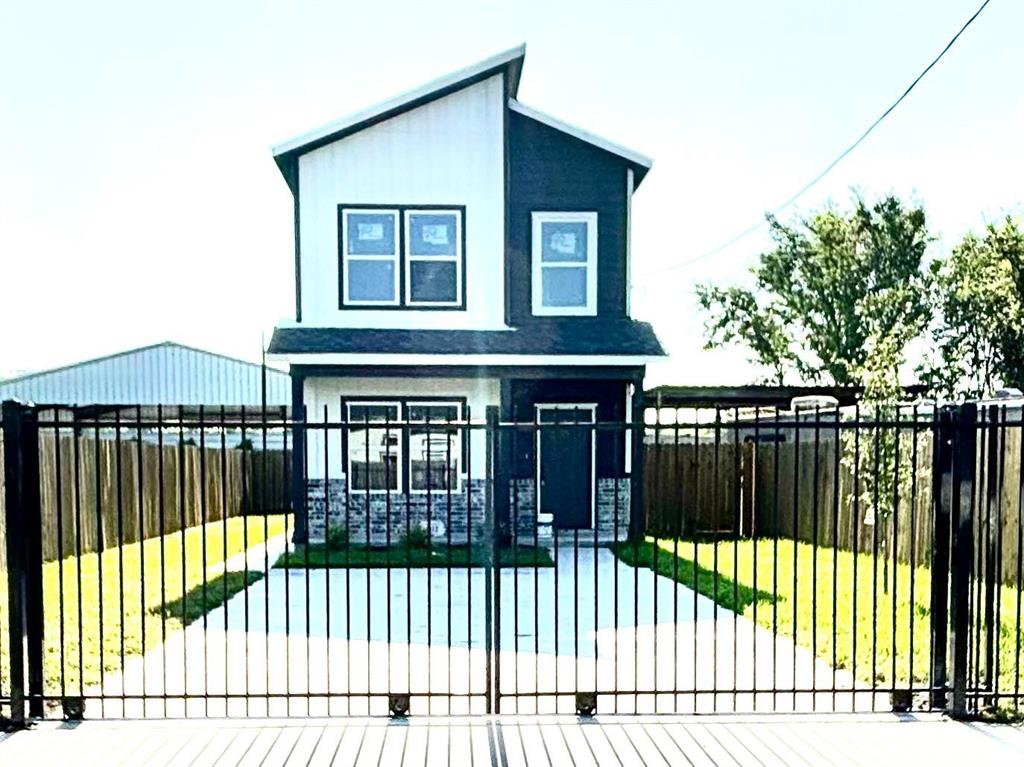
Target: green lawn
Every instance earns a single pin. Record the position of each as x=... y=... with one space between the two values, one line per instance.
x=735 y=588
x=150 y=605
x=317 y=555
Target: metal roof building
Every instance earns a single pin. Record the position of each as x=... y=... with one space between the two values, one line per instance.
x=162 y=374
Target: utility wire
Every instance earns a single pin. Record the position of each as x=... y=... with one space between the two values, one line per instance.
x=793 y=198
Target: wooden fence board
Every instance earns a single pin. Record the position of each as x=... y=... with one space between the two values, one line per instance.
x=806 y=490
x=102 y=489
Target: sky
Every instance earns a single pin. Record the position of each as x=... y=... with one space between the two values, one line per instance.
x=139 y=201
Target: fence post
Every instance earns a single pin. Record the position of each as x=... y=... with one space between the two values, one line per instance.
x=964 y=456
x=24 y=558
x=33 y=545
x=942 y=499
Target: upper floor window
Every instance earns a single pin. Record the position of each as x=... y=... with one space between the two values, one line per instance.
x=370 y=257
x=564 y=263
x=402 y=256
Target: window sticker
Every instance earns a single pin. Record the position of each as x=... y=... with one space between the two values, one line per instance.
x=563 y=242
x=435 y=234
x=368 y=232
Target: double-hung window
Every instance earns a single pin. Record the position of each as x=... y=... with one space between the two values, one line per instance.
x=402 y=256
x=369 y=256
x=564 y=263
x=433 y=260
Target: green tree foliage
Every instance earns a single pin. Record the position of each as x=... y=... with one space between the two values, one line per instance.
x=978 y=291
x=839 y=300
x=836 y=301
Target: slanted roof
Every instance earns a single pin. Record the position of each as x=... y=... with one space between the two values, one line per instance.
x=165 y=373
x=756 y=395
x=509 y=62
x=639 y=162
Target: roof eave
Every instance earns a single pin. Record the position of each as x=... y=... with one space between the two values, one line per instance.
x=640 y=163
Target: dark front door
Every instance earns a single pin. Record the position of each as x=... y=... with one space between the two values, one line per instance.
x=566 y=455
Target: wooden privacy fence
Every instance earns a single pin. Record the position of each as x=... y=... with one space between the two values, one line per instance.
x=130 y=490
x=808 y=489
x=693 y=489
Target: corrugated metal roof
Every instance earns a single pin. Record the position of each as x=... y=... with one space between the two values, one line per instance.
x=162 y=374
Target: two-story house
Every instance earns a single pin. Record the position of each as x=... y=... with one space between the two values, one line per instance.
x=456 y=249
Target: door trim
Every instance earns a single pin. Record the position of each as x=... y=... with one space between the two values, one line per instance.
x=539 y=407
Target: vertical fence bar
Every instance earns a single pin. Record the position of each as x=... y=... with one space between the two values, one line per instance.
x=964 y=445
x=636 y=477
x=491 y=632
x=59 y=515
x=913 y=542
x=942 y=501
x=33 y=545
x=100 y=545
x=990 y=578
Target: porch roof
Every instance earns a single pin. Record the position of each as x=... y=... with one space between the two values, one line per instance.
x=577 y=336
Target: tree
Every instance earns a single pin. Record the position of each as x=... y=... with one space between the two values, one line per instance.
x=979 y=333
x=827 y=299
x=839 y=300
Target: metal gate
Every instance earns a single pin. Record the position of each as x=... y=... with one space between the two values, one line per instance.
x=394 y=558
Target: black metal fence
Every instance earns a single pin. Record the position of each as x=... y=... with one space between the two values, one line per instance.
x=417 y=560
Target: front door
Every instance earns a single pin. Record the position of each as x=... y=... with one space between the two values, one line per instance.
x=565 y=455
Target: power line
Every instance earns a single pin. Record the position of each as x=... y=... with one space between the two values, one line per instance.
x=793 y=198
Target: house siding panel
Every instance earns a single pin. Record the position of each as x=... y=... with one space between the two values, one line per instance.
x=550 y=170
x=321 y=393
x=446 y=152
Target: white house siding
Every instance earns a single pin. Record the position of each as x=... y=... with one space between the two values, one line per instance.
x=321 y=392
x=164 y=374
x=446 y=152
x=383 y=518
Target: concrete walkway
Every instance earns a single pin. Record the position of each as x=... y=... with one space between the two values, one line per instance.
x=591 y=623
x=796 y=740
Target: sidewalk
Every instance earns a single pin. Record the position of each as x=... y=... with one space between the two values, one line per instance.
x=762 y=741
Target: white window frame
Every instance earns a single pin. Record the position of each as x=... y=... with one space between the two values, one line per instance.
x=378 y=425
x=408 y=257
x=456 y=446
x=346 y=258
x=548 y=518
x=539 y=218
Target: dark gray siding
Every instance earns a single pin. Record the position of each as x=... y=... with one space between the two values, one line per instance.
x=609 y=396
x=550 y=170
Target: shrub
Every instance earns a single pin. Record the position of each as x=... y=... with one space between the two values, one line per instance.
x=337 y=538
x=416 y=537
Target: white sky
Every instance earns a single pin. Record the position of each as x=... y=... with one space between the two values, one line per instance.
x=139 y=201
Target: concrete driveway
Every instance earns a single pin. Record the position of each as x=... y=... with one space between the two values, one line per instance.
x=591 y=624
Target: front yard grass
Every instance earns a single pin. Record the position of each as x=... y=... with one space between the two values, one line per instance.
x=775 y=601
x=166 y=586
x=317 y=555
